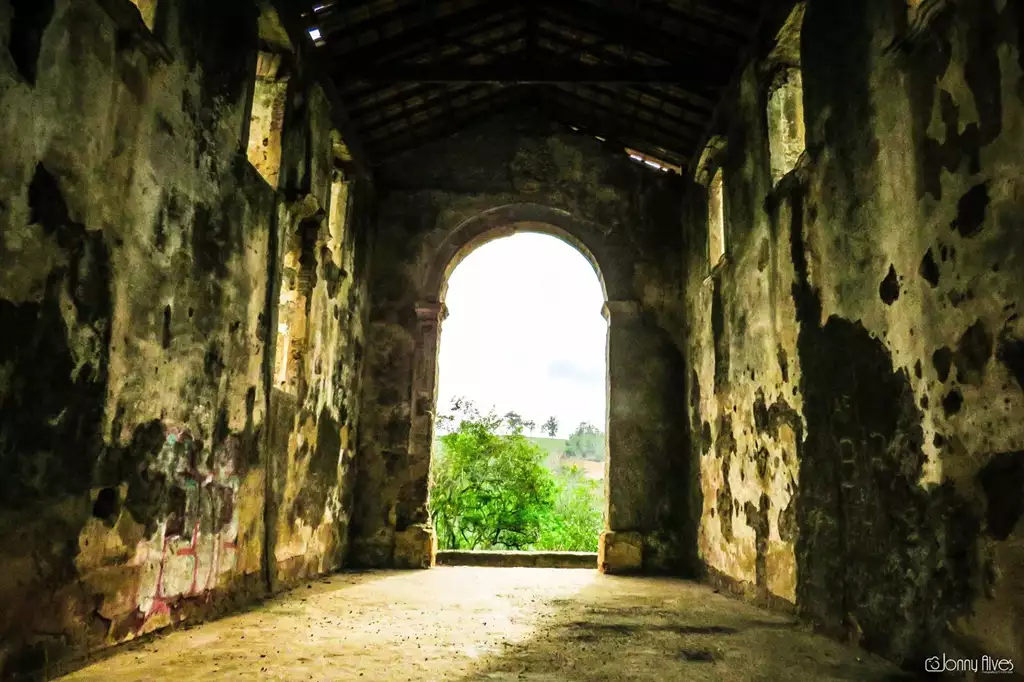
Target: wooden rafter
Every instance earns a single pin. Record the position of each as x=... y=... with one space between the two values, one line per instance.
x=429 y=110
x=661 y=13
x=408 y=40
x=569 y=115
x=669 y=135
x=468 y=51
x=527 y=71
x=478 y=110
x=623 y=28
x=646 y=73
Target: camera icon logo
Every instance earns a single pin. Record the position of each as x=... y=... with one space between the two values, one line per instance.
x=933 y=664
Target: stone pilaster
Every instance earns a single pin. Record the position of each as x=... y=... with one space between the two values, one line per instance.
x=620 y=547
x=415 y=543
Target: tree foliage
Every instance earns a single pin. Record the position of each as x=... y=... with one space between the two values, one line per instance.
x=586 y=442
x=550 y=427
x=491 y=490
x=578 y=517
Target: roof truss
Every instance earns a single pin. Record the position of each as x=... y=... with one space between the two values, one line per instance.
x=647 y=73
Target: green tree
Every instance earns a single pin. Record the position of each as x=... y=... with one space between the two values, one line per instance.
x=578 y=516
x=586 y=442
x=489 y=491
x=515 y=421
x=550 y=427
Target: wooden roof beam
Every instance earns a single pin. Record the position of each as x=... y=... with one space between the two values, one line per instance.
x=629 y=31
x=481 y=109
x=631 y=103
x=311 y=59
x=686 y=105
x=359 y=89
x=663 y=12
x=527 y=71
x=420 y=35
x=592 y=126
x=433 y=99
x=669 y=139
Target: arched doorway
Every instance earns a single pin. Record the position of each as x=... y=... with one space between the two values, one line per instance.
x=524 y=343
x=625 y=482
x=649 y=512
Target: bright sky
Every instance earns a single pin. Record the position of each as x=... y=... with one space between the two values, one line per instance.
x=525 y=332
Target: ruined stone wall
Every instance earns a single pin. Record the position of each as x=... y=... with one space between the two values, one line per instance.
x=140 y=262
x=517 y=169
x=856 y=363
x=745 y=371
x=315 y=407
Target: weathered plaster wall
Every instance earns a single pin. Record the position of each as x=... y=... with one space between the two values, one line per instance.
x=435 y=201
x=857 y=372
x=315 y=408
x=139 y=260
x=745 y=369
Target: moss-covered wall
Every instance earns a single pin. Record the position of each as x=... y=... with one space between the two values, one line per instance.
x=140 y=266
x=435 y=203
x=856 y=364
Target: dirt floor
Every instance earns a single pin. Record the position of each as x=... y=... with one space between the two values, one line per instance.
x=468 y=623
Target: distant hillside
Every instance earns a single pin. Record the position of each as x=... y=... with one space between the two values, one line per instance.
x=552 y=446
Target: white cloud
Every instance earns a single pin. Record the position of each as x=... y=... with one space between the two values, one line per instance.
x=525 y=332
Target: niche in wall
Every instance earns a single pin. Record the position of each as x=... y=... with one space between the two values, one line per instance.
x=785 y=109
x=266 y=120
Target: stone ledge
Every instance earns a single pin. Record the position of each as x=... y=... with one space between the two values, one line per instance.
x=508 y=559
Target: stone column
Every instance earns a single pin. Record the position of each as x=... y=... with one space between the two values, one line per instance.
x=648 y=474
x=620 y=549
x=415 y=542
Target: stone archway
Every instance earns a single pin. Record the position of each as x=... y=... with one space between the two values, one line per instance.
x=620 y=546
x=649 y=525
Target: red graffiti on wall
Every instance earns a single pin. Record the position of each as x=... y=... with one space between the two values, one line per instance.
x=196 y=542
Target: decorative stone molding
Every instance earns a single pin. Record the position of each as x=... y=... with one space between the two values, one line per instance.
x=618 y=312
x=431 y=314
x=710 y=159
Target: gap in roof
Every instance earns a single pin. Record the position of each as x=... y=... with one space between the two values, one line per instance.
x=653 y=161
x=316 y=36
